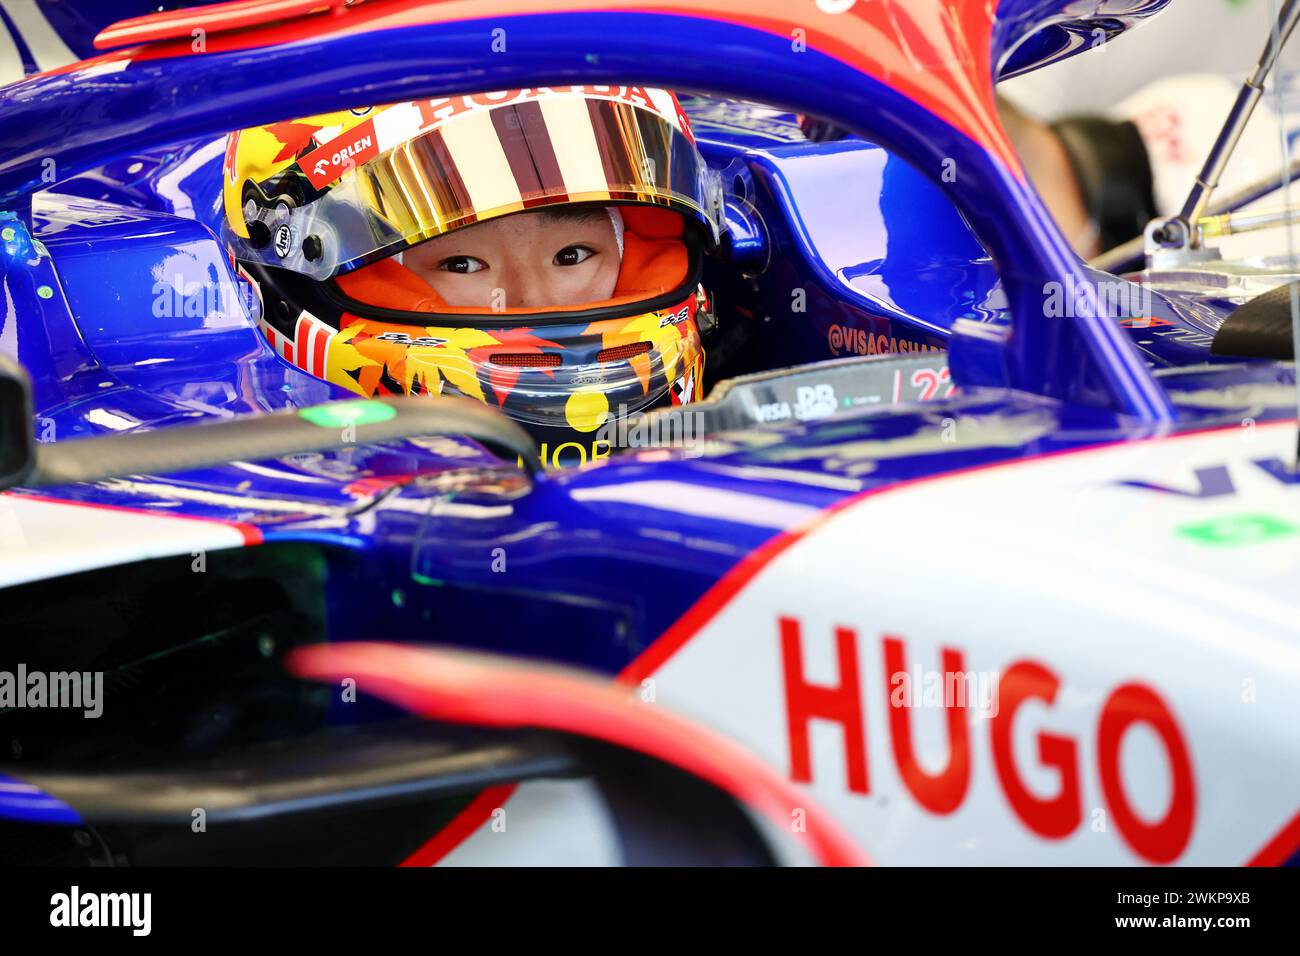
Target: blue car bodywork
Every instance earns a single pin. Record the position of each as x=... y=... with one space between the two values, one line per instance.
x=918 y=257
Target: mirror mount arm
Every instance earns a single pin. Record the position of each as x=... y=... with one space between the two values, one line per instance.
x=328 y=427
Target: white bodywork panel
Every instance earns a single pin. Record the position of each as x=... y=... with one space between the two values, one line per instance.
x=45 y=539
x=1102 y=584
x=1167 y=612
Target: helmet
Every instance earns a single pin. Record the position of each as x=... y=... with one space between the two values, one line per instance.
x=326 y=216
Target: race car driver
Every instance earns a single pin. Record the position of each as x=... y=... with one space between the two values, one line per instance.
x=538 y=249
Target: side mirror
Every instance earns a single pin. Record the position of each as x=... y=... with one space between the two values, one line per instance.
x=17 y=442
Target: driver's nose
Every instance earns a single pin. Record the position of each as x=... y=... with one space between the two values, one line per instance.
x=524 y=288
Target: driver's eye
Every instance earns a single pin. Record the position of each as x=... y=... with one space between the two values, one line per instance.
x=572 y=255
x=462 y=264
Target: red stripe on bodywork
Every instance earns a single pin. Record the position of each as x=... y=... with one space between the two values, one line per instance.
x=461 y=826
x=937 y=53
x=1281 y=848
x=238 y=15
x=744 y=571
x=1277 y=850
x=462 y=688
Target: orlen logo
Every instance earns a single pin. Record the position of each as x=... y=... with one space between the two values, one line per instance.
x=330 y=166
x=1024 y=681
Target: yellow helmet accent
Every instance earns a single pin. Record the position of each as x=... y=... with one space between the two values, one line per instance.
x=259 y=153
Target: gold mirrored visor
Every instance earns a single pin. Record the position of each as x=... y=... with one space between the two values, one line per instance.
x=480 y=165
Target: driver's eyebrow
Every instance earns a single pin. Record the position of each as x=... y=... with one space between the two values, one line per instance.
x=573 y=213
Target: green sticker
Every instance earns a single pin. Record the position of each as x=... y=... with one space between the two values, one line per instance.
x=45 y=292
x=1233 y=531
x=341 y=414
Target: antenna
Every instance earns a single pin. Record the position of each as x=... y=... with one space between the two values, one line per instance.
x=1180 y=232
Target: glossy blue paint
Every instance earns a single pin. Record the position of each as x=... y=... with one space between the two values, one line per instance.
x=1034 y=33
x=77 y=21
x=151 y=102
x=1031 y=34
x=603 y=559
x=158 y=335
x=889 y=257
x=24 y=803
